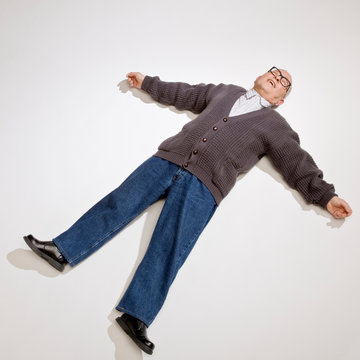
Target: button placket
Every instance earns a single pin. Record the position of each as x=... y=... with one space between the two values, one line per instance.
x=204 y=140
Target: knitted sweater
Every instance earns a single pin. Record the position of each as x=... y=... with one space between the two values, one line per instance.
x=216 y=148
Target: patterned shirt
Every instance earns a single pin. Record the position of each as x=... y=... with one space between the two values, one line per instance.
x=251 y=101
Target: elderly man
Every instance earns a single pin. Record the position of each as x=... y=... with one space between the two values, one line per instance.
x=194 y=170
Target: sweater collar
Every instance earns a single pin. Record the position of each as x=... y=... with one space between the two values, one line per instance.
x=253 y=93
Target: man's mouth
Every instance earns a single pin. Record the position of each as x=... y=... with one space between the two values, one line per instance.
x=272 y=83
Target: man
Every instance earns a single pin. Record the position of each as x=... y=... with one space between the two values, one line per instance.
x=194 y=170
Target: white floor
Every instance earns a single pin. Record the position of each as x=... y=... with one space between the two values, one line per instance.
x=271 y=277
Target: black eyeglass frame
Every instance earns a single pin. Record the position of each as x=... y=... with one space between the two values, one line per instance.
x=287 y=87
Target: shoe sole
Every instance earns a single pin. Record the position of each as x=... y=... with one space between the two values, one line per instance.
x=51 y=261
x=126 y=328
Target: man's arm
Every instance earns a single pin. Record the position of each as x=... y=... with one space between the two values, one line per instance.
x=301 y=173
x=181 y=95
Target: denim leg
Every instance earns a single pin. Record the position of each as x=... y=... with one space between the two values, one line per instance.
x=144 y=186
x=188 y=208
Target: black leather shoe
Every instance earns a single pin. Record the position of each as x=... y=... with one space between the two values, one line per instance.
x=48 y=251
x=136 y=329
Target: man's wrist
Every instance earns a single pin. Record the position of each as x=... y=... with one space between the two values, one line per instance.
x=326 y=198
x=146 y=82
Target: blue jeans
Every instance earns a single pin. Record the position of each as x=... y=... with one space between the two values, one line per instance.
x=188 y=208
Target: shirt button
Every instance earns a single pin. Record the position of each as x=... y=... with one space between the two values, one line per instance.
x=225 y=119
x=195 y=152
x=186 y=164
x=214 y=128
x=204 y=139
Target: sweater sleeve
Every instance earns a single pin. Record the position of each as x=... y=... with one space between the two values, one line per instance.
x=183 y=96
x=299 y=169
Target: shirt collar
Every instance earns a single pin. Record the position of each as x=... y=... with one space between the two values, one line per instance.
x=252 y=93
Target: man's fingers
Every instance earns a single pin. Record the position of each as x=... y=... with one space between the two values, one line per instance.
x=131 y=79
x=340 y=215
x=347 y=208
x=132 y=75
x=134 y=79
x=339 y=208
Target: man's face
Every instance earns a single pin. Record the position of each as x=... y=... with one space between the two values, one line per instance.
x=269 y=86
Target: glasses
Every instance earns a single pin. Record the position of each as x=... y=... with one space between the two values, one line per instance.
x=285 y=82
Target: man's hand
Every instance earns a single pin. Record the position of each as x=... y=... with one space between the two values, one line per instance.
x=339 y=208
x=135 y=79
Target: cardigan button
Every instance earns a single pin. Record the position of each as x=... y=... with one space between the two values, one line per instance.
x=195 y=152
x=225 y=119
x=215 y=128
x=204 y=139
x=186 y=164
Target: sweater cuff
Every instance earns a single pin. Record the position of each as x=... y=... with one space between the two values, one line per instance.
x=326 y=198
x=147 y=82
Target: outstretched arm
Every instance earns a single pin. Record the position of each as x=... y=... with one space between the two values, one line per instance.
x=301 y=173
x=179 y=94
x=339 y=208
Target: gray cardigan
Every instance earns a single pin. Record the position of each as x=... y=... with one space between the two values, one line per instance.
x=217 y=148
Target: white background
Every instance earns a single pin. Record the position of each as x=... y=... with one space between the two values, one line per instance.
x=271 y=277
